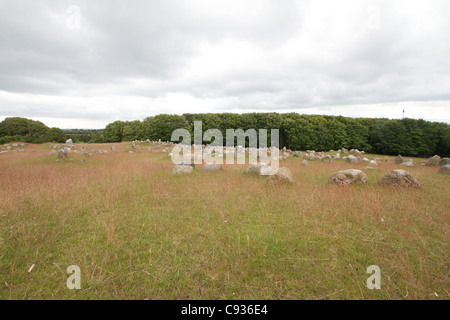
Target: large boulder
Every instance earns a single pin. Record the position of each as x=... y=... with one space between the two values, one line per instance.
x=444 y=162
x=398 y=159
x=399 y=178
x=337 y=156
x=257 y=169
x=347 y=177
x=445 y=169
x=352 y=159
x=433 y=161
x=69 y=142
x=327 y=158
x=297 y=154
x=283 y=175
x=182 y=169
x=212 y=167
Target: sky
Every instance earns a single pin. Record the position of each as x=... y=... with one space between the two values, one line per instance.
x=84 y=64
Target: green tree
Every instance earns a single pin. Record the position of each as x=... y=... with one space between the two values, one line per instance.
x=55 y=135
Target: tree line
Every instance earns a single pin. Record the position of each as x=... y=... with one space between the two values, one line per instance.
x=27 y=130
x=409 y=137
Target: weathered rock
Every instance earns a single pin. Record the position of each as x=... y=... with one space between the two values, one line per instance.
x=69 y=142
x=337 y=156
x=347 y=177
x=182 y=169
x=212 y=167
x=399 y=178
x=444 y=162
x=373 y=163
x=352 y=159
x=283 y=175
x=305 y=162
x=433 y=161
x=398 y=159
x=445 y=169
x=257 y=169
x=327 y=158
x=62 y=153
x=113 y=148
x=407 y=164
x=297 y=154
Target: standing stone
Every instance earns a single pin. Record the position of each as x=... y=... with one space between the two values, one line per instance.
x=282 y=176
x=433 y=161
x=337 y=156
x=444 y=161
x=352 y=159
x=399 y=178
x=347 y=177
x=327 y=158
x=69 y=142
x=257 y=169
x=398 y=159
x=113 y=148
x=445 y=169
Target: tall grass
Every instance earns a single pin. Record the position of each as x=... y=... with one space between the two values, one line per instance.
x=138 y=232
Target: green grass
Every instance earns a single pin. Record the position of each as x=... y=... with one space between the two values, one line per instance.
x=137 y=232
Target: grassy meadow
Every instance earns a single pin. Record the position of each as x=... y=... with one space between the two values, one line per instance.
x=138 y=232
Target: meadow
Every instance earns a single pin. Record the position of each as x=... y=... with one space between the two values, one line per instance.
x=138 y=232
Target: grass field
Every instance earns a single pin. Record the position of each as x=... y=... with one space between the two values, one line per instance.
x=138 y=232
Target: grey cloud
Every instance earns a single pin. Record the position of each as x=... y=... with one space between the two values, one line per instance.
x=334 y=61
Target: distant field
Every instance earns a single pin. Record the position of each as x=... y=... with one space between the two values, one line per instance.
x=138 y=232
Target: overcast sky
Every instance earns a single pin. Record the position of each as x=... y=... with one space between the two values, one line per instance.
x=83 y=64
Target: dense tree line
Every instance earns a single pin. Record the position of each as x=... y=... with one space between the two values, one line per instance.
x=31 y=131
x=408 y=137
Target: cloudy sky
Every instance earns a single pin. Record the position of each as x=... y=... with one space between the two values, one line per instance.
x=83 y=64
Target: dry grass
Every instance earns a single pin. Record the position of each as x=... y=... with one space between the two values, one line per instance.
x=137 y=232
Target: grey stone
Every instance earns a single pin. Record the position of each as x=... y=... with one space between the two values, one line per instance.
x=282 y=176
x=433 y=161
x=445 y=169
x=347 y=177
x=399 y=178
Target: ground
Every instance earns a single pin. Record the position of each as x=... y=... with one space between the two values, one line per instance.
x=138 y=232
